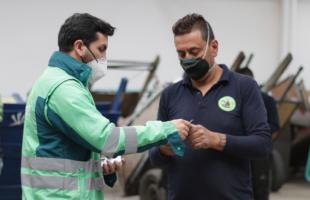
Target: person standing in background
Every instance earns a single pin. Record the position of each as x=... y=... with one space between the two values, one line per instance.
x=261 y=167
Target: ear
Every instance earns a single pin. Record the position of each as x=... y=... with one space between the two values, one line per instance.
x=214 y=47
x=79 y=48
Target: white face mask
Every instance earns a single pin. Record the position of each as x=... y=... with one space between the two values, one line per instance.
x=99 y=69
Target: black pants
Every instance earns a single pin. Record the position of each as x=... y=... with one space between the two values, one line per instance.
x=261 y=178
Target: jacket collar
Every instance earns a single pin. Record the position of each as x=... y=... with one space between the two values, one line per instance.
x=73 y=67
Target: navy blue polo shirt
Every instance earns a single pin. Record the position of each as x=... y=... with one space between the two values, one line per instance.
x=233 y=106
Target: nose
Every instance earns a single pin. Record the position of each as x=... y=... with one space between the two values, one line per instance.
x=103 y=55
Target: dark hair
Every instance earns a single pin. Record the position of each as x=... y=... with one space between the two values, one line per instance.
x=190 y=22
x=81 y=26
x=245 y=71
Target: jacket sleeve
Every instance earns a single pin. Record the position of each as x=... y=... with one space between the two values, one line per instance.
x=71 y=109
x=156 y=157
x=256 y=142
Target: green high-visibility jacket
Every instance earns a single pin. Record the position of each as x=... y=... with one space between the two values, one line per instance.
x=307 y=171
x=64 y=135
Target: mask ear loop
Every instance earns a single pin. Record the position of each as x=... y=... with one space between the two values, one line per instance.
x=207 y=45
x=92 y=53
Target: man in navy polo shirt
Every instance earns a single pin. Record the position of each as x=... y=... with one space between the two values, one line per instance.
x=228 y=116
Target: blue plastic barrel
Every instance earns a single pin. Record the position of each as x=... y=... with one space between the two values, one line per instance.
x=11 y=132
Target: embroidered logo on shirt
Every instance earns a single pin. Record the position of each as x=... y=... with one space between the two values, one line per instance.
x=227 y=103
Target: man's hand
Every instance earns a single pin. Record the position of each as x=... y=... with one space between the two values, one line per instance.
x=202 y=138
x=110 y=166
x=183 y=127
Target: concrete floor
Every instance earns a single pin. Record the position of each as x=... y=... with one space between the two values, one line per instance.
x=294 y=189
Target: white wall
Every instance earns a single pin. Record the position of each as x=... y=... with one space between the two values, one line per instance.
x=301 y=39
x=29 y=29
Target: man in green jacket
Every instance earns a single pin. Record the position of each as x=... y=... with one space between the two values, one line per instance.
x=65 y=135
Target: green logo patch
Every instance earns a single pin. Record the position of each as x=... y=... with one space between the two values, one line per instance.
x=227 y=103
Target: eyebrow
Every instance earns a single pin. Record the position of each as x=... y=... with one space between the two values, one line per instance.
x=194 y=48
x=189 y=50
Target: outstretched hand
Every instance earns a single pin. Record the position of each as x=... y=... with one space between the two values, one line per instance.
x=183 y=127
x=112 y=165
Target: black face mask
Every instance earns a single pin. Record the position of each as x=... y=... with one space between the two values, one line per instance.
x=195 y=68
